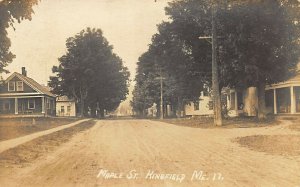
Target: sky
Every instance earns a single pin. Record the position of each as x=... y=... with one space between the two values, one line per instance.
x=128 y=25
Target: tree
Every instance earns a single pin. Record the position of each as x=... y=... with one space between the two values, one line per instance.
x=11 y=11
x=91 y=73
x=263 y=36
x=146 y=90
x=258 y=45
x=168 y=55
x=259 y=40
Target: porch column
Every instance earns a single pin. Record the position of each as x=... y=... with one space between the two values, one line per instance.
x=293 y=103
x=275 y=101
x=43 y=105
x=16 y=106
x=228 y=101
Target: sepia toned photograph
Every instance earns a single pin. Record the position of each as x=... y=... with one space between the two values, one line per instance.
x=160 y=93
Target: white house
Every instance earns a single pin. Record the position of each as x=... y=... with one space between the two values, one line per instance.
x=65 y=106
x=203 y=106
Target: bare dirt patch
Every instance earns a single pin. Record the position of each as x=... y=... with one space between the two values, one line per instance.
x=16 y=127
x=295 y=125
x=237 y=122
x=287 y=145
x=30 y=151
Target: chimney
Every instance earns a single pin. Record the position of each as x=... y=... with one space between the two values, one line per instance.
x=24 y=72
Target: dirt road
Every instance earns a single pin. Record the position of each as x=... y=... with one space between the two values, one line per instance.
x=149 y=153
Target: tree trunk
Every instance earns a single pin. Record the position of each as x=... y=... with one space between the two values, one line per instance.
x=101 y=111
x=173 y=114
x=81 y=108
x=179 y=107
x=261 y=112
x=93 y=111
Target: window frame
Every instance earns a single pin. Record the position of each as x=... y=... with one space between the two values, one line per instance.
x=210 y=105
x=17 y=86
x=4 y=103
x=196 y=105
x=68 y=109
x=33 y=104
x=8 y=85
x=48 y=103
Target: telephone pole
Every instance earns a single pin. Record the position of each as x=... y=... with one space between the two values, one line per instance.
x=215 y=76
x=161 y=78
x=161 y=97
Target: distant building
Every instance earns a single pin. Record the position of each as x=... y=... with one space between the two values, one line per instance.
x=202 y=106
x=21 y=95
x=281 y=98
x=65 y=106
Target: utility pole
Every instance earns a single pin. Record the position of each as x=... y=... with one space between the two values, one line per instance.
x=161 y=78
x=215 y=76
x=161 y=96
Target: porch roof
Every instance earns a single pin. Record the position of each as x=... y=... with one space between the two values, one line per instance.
x=294 y=81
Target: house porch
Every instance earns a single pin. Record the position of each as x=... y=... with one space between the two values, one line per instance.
x=284 y=100
x=27 y=106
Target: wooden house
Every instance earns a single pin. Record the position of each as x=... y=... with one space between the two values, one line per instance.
x=21 y=95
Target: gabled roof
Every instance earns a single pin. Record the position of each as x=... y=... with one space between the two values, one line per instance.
x=296 y=77
x=64 y=99
x=32 y=83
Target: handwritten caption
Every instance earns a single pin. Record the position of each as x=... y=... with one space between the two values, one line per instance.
x=196 y=175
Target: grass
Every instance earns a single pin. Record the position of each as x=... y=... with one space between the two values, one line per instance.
x=17 y=127
x=236 y=122
x=38 y=147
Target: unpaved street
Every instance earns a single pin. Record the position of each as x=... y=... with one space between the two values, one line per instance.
x=139 y=150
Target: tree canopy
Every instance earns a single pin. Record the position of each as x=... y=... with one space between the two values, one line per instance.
x=10 y=12
x=258 y=44
x=91 y=73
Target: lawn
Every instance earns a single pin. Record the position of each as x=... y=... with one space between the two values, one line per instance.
x=235 y=122
x=16 y=127
x=34 y=149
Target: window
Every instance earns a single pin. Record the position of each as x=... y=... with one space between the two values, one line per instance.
x=48 y=104
x=62 y=109
x=196 y=105
x=6 y=105
x=68 y=109
x=31 y=104
x=232 y=101
x=205 y=93
x=20 y=86
x=210 y=105
x=11 y=86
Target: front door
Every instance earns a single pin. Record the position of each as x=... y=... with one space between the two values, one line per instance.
x=21 y=106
